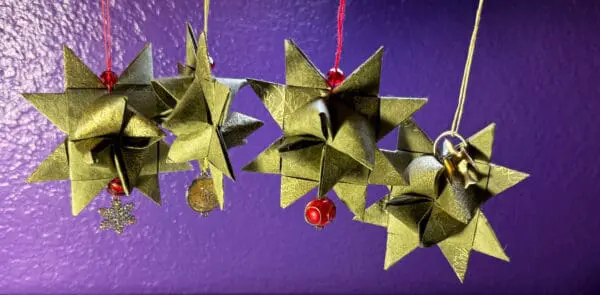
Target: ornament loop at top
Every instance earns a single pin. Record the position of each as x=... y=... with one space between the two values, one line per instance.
x=447 y=134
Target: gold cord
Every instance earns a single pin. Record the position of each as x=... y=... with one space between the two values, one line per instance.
x=206 y=7
x=465 y=81
x=205 y=166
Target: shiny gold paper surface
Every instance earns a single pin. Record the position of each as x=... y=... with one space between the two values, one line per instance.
x=437 y=210
x=108 y=135
x=330 y=135
x=200 y=116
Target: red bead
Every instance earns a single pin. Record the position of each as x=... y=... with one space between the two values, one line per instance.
x=319 y=212
x=115 y=187
x=335 y=77
x=211 y=62
x=109 y=79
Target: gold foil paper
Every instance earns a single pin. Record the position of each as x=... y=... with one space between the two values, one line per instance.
x=108 y=135
x=432 y=209
x=200 y=116
x=330 y=135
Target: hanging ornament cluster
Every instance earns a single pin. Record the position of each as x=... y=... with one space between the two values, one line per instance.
x=331 y=125
x=114 y=139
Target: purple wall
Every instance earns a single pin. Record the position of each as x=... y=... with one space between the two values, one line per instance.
x=536 y=74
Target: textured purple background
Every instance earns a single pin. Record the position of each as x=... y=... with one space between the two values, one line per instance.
x=536 y=74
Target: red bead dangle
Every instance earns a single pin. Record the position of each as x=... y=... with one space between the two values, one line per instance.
x=115 y=188
x=319 y=212
x=335 y=77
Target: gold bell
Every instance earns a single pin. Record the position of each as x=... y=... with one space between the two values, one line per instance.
x=459 y=165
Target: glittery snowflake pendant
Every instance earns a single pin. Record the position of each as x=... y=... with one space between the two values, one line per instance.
x=201 y=195
x=117 y=217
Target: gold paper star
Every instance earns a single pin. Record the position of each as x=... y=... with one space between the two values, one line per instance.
x=200 y=118
x=330 y=135
x=432 y=210
x=108 y=135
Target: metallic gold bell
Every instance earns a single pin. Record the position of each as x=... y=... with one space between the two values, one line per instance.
x=201 y=195
x=459 y=165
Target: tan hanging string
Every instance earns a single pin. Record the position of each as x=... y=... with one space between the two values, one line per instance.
x=205 y=163
x=465 y=81
x=462 y=96
x=206 y=7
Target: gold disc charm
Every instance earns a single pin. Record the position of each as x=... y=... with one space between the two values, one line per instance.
x=201 y=195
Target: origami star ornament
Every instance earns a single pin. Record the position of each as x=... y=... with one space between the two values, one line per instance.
x=434 y=209
x=200 y=116
x=330 y=135
x=108 y=135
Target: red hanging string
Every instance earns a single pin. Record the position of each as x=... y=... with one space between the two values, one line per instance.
x=340 y=29
x=108 y=77
x=107 y=34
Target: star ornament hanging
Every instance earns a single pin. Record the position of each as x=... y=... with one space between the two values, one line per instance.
x=437 y=208
x=330 y=135
x=108 y=135
x=200 y=116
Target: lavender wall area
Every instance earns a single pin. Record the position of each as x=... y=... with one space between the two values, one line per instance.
x=536 y=74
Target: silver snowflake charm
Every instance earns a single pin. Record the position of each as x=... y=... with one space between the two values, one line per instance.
x=117 y=217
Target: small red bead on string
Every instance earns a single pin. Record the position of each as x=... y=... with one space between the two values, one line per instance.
x=115 y=188
x=335 y=77
x=319 y=212
x=109 y=79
